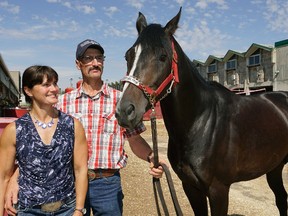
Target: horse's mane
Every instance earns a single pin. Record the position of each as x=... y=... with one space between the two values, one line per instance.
x=217 y=85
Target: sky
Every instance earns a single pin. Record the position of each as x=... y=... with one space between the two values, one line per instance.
x=47 y=32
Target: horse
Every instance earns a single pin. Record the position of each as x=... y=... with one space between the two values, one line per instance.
x=216 y=138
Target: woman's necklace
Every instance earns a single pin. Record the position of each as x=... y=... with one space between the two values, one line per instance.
x=43 y=124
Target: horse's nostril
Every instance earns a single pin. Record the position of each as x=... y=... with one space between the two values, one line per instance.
x=130 y=110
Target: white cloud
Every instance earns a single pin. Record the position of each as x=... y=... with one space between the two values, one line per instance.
x=203 y=4
x=180 y=2
x=138 y=4
x=120 y=33
x=14 y=33
x=276 y=15
x=256 y=1
x=190 y=10
x=19 y=53
x=96 y=24
x=64 y=3
x=53 y=1
x=67 y=4
x=201 y=39
x=14 y=9
x=59 y=25
x=42 y=29
x=111 y=10
x=85 y=9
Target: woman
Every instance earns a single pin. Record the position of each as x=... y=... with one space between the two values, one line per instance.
x=50 y=149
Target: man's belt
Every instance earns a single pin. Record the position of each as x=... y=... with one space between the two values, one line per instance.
x=100 y=173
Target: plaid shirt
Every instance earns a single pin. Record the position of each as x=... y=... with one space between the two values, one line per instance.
x=105 y=137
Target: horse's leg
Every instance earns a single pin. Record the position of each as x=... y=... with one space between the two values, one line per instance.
x=219 y=198
x=196 y=198
x=275 y=181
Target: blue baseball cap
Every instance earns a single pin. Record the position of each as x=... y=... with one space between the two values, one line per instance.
x=84 y=45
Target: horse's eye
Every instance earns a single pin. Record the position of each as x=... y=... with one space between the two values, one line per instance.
x=163 y=58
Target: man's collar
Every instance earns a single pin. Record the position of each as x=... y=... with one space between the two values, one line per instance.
x=104 y=90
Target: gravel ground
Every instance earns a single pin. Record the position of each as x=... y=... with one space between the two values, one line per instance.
x=251 y=198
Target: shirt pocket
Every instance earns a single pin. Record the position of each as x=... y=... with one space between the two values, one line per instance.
x=110 y=124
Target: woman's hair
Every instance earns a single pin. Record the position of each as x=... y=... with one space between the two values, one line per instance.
x=35 y=75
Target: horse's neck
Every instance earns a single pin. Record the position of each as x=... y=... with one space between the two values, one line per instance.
x=186 y=100
x=189 y=77
x=191 y=84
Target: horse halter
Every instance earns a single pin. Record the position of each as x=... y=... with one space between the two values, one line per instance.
x=151 y=94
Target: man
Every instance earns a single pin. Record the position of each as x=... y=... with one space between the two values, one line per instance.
x=94 y=104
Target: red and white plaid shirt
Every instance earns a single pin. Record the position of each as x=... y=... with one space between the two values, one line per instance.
x=105 y=137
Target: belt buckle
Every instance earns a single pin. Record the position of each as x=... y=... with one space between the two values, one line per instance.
x=51 y=207
x=91 y=175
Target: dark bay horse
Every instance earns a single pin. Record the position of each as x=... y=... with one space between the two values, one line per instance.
x=216 y=138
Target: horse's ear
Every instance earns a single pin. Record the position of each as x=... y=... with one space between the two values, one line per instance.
x=172 y=25
x=141 y=23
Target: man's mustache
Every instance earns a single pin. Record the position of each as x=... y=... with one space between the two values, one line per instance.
x=96 y=68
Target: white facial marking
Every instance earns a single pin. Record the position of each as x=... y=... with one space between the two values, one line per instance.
x=138 y=50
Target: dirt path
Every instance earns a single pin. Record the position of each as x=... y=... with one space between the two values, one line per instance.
x=251 y=198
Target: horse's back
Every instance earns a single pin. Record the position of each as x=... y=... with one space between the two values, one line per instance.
x=257 y=132
x=278 y=98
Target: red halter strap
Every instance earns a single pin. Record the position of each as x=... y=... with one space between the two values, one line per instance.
x=173 y=78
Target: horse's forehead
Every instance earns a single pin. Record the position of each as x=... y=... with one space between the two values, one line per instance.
x=146 y=49
x=152 y=36
x=142 y=52
x=148 y=42
x=138 y=51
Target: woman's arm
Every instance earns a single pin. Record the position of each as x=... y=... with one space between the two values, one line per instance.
x=80 y=159
x=11 y=195
x=7 y=159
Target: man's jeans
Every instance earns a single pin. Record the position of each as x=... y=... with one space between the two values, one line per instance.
x=105 y=196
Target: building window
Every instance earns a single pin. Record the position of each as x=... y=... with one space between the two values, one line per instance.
x=231 y=64
x=254 y=60
x=212 y=67
x=213 y=77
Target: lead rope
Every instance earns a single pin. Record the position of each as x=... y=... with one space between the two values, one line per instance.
x=156 y=182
